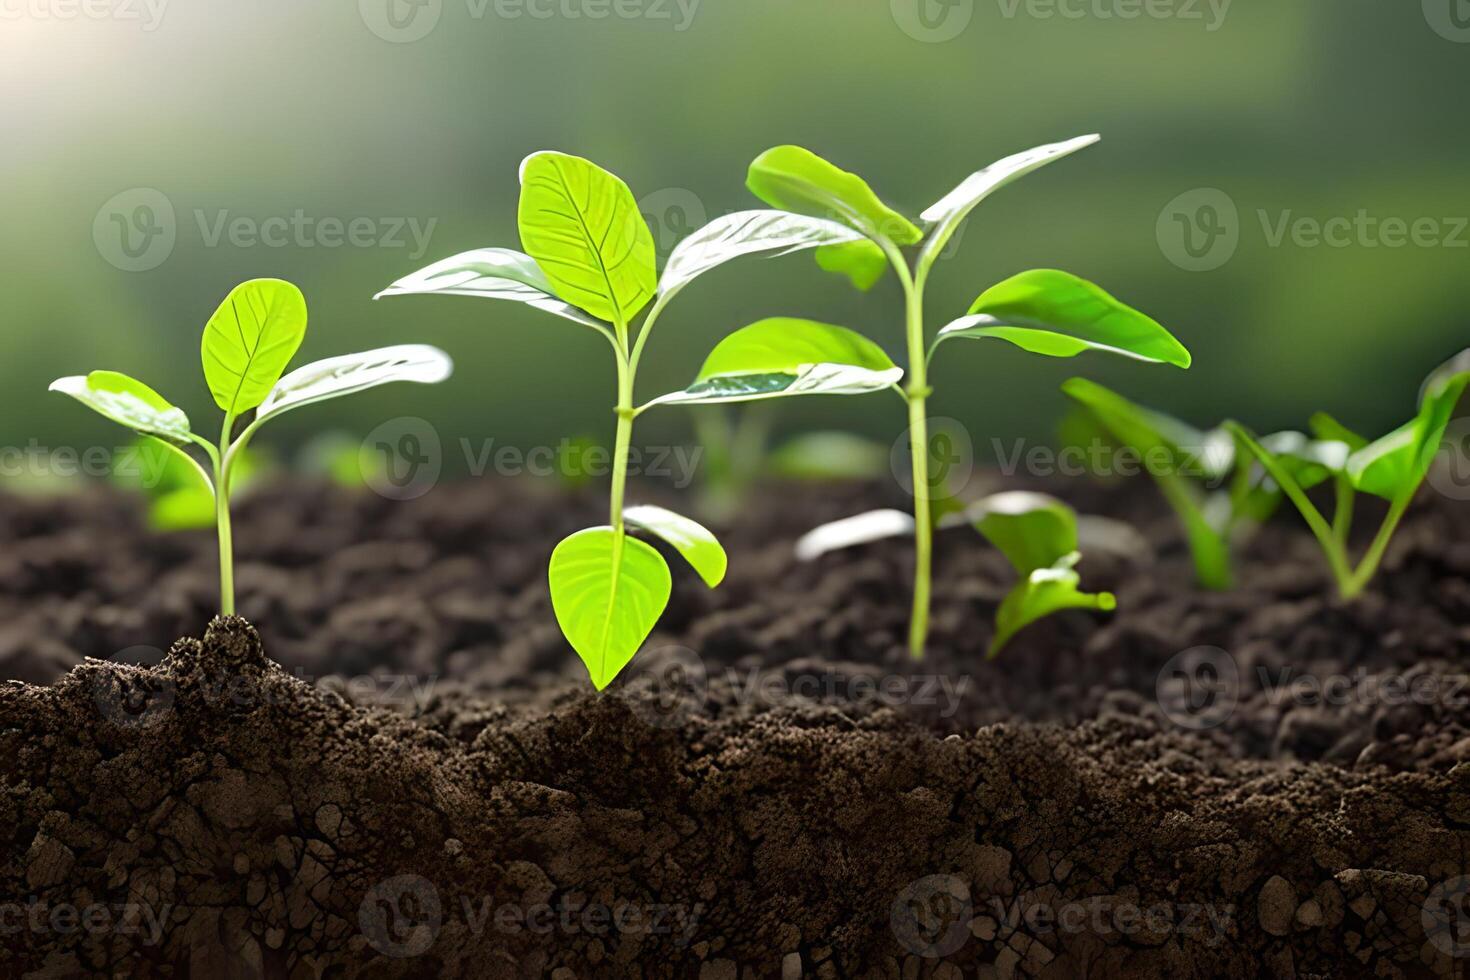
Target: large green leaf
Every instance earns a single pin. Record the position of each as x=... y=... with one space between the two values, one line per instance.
x=492 y=273
x=608 y=591
x=1043 y=592
x=795 y=179
x=1032 y=530
x=250 y=340
x=128 y=402
x=751 y=233
x=349 y=373
x=1060 y=315
x=947 y=214
x=582 y=226
x=690 y=538
x=788 y=356
x=1396 y=464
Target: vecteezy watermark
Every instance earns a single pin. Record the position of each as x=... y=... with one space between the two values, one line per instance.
x=137 y=230
x=672 y=214
x=402 y=916
x=1445 y=917
x=40 y=917
x=931 y=916
x=402 y=459
x=937 y=21
x=1101 y=458
x=665 y=686
x=1450 y=474
x=777 y=687
x=1200 y=230
x=147 y=14
x=406 y=21
x=1450 y=19
x=1199 y=688
x=142 y=465
x=951 y=458
x=130 y=698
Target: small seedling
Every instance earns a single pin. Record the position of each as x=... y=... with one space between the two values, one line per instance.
x=589 y=258
x=1392 y=467
x=247 y=344
x=1037 y=534
x=1042 y=311
x=1191 y=468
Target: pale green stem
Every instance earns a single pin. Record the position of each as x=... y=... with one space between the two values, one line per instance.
x=222 y=519
x=1368 y=567
x=1342 y=516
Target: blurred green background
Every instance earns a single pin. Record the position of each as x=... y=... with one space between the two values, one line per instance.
x=147 y=148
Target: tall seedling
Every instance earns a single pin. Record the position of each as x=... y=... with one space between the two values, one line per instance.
x=589 y=258
x=1042 y=311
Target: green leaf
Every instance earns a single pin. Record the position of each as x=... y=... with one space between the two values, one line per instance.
x=1043 y=592
x=795 y=179
x=1032 y=530
x=950 y=212
x=752 y=233
x=691 y=539
x=1396 y=464
x=349 y=373
x=788 y=356
x=828 y=456
x=1057 y=314
x=583 y=228
x=250 y=340
x=862 y=262
x=849 y=532
x=1328 y=429
x=492 y=273
x=127 y=402
x=608 y=591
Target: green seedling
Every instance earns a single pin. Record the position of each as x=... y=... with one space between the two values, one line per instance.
x=1392 y=467
x=1037 y=534
x=247 y=344
x=1209 y=479
x=179 y=498
x=589 y=258
x=1042 y=311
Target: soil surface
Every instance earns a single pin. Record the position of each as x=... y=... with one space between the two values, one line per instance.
x=405 y=773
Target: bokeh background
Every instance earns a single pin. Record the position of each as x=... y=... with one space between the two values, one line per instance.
x=153 y=148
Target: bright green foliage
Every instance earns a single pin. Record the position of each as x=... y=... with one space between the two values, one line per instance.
x=1392 y=467
x=1038 y=535
x=590 y=258
x=608 y=591
x=1042 y=311
x=246 y=346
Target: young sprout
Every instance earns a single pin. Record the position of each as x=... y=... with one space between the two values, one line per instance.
x=1037 y=534
x=1392 y=467
x=589 y=258
x=1041 y=311
x=1188 y=464
x=247 y=344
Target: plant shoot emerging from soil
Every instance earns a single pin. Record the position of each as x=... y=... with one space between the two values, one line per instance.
x=1392 y=467
x=246 y=346
x=589 y=258
x=1042 y=311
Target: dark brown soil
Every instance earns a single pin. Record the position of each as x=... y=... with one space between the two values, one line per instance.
x=419 y=782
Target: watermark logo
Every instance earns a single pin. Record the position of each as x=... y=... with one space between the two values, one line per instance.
x=147 y=13
x=402 y=458
x=672 y=214
x=1445 y=916
x=1450 y=474
x=401 y=21
x=1199 y=230
x=951 y=458
x=401 y=916
x=932 y=21
x=1199 y=688
x=666 y=686
x=931 y=917
x=133 y=700
x=136 y=229
x=1450 y=19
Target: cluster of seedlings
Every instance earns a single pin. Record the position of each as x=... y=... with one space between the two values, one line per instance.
x=588 y=257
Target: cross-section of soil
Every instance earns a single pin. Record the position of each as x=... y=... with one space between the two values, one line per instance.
x=409 y=776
